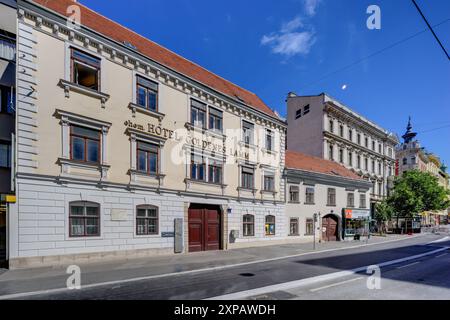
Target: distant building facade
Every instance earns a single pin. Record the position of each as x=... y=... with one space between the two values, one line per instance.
x=324 y=199
x=412 y=156
x=323 y=127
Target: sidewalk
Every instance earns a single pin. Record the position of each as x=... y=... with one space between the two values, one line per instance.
x=17 y=281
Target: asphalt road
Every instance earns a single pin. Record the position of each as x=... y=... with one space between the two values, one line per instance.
x=429 y=278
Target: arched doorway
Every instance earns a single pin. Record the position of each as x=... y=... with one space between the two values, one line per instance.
x=330 y=229
x=204 y=227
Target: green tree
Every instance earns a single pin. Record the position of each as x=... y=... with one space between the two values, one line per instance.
x=417 y=191
x=383 y=213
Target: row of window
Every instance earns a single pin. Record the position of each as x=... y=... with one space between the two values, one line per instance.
x=358 y=161
x=294 y=197
x=85 y=146
x=358 y=138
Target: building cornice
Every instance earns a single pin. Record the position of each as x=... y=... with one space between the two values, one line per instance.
x=110 y=49
x=359 y=121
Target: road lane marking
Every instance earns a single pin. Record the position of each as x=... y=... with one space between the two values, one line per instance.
x=336 y=284
x=441 y=255
x=309 y=281
x=408 y=265
x=180 y=273
x=439 y=240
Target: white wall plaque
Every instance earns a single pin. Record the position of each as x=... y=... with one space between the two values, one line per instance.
x=118 y=215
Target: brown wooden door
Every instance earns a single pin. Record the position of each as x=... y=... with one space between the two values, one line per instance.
x=204 y=229
x=329 y=228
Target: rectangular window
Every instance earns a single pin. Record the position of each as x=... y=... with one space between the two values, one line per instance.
x=309 y=195
x=248 y=225
x=215 y=119
x=341 y=155
x=269 y=140
x=7 y=99
x=247 y=132
x=198 y=114
x=7 y=48
x=198 y=167
x=358 y=138
x=247 y=177
x=380 y=188
x=85 y=144
x=358 y=164
x=330 y=152
x=293 y=227
x=362 y=201
x=350 y=158
x=306 y=110
x=366 y=164
x=294 y=194
x=298 y=114
x=350 y=134
x=84 y=219
x=373 y=166
x=379 y=168
x=215 y=169
x=373 y=145
x=379 y=149
x=147 y=157
x=269 y=183
x=85 y=70
x=341 y=130
x=5 y=155
x=270 y=225
x=350 y=200
x=331 y=126
x=309 y=230
x=366 y=142
x=147 y=94
x=146 y=220
x=331 y=197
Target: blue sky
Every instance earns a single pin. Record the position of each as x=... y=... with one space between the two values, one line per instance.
x=273 y=47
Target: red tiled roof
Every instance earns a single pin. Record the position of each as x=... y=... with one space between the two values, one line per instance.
x=115 y=31
x=296 y=160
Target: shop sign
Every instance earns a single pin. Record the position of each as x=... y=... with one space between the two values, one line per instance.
x=356 y=214
x=10 y=199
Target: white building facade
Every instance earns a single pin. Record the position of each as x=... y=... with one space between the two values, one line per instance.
x=323 y=127
x=126 y=149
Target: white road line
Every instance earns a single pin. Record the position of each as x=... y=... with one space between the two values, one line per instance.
x=439 y=240
x=100 y=284
x=441 y=255
x=336 y=284
x=309 y=281
x=408 y=265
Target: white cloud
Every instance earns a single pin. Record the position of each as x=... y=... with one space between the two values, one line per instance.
x=290 y=44
x=290 y=41
x=311 y=6
x=292 y=25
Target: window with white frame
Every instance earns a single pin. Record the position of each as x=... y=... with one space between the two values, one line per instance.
x=270 y=225
x=198 y=167
x=248 y=132
x=215 y=171
x=198 y=114
x=269 y=182
x=309 y=195
x=146 y=93
x=294 y=194
x=350 y=200
x=247 y=177
x=293 y=227
x=147 y=220
x=362 y=201
x=85 y=144
x=85 y=69
x=269 y=140
x=248 y=225
x=147 y=158
x=215 y=120
x=84 y=219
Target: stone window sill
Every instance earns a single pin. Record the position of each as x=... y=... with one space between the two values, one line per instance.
x=70 y=86
x=137 y=108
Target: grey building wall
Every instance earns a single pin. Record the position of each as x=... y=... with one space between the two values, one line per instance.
x=305 y=134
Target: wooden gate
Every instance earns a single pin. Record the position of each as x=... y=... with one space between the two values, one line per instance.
x=204 y=227
x=330 y=228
